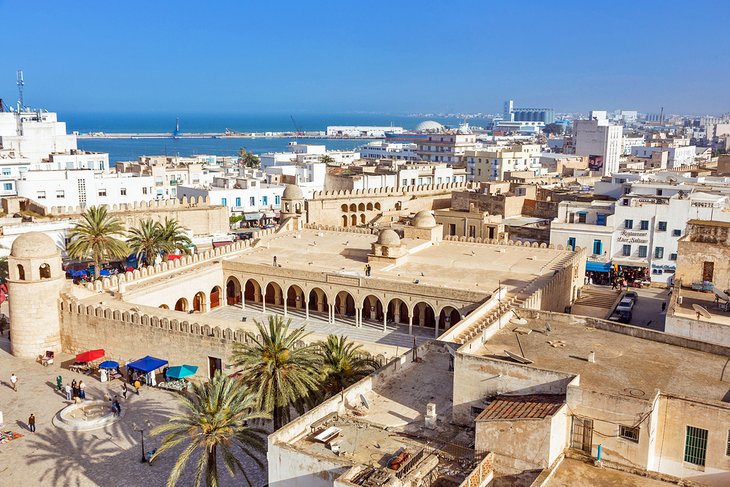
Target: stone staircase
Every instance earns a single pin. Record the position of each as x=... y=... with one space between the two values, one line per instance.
x=596 y=301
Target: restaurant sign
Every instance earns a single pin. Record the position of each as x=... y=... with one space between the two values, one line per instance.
x=633 y=237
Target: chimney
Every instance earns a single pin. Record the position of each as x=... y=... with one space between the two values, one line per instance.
x=431 y=415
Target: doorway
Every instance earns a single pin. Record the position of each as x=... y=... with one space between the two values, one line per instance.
x=214 y=364
x=582 y=437
x=708 y=271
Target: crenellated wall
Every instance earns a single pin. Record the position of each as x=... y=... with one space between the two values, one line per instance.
x=185 y=202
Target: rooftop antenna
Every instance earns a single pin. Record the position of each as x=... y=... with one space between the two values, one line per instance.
x=21 y=83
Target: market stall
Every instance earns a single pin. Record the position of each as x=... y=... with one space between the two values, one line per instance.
x=144 y=369
x=109 y=370
x=176 y=377
x=83 y=361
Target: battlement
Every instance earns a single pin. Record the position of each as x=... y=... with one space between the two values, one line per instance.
x=423 y=189
x=172 y=204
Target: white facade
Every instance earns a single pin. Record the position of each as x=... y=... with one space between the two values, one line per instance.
x=84 y=188
x=492 y=164
x=631 y=142
x=239 y=196
x=310 y=177
x=34 y=135
x=449 y=148
x=361 y=131
x=678 y=156
x=307 y=153
x=601 y=142
x=57 y=230
x=389 y=150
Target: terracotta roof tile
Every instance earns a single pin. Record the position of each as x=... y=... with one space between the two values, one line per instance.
x=535 y=406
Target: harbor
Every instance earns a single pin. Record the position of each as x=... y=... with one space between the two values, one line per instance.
x=222 y=135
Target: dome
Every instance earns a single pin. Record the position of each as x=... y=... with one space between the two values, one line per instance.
x=429 y=126
x=424 y=219
x=389 y=238
x=292 y=192
x=33 y=244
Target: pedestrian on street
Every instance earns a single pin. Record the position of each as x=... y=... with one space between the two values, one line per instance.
x=124 y=390
x=82 y=390
x=31 y=423
x=59 y=382
x=137 y=385
x=664 y=306
x=14 y=381
x=68 y=392
x=74 y=389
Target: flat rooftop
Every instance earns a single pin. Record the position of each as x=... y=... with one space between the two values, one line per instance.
x=628 y=365
x=573 y=472
x=462 y=265
x=707 y=301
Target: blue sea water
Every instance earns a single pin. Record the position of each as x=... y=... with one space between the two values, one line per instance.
x=131 y=149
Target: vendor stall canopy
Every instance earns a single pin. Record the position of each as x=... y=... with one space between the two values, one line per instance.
x=90 y=356
x=109 y=364
x=147 y=364
x=182 y=371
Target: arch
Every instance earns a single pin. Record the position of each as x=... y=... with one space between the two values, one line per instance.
x=199 y=302
x=424 y=315
x=362 y=219
x=353 y=220
x=45 y=271
x=353 y=207
x=181 y=305
x=233 y=291
x=294 y=297
x=369 y=207
x=252 y=291
x=372 y=308
x=361 y=207
x=344 y=207
x=398 y=311
x=273 y=294
x=344 y=304
x=163 y=306
x=448 y=317
x=21 y=273
x=377 y=206
x=317 y=300
x=216 y=299
x=345 y=220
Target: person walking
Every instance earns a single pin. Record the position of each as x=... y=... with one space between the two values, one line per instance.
x=59 y=383
x=68 y=392
x=31 y=423
x=664 y=306
x=124 y=390
x=14 y=381
x=82 y=390
x=74 y=389
x=137 y=386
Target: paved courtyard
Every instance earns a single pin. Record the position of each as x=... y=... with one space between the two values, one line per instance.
x=104 y=457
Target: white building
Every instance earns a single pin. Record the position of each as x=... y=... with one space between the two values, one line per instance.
x=630 y=142
x=449 y=147
x=83 y=188
x=492 y=163
x=364 y=131
x=389 y=150
x=310 y=177
x=240 y=195
x=34 y=135
x=601 y=141
x=307 y=153
x=678 y=156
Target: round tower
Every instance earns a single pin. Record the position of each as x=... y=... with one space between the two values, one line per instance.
x=292 y=206
x=34 y=284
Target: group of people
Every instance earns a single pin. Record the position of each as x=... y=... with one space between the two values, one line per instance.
x=367 y=270
x=75 y=389
x=626 y=278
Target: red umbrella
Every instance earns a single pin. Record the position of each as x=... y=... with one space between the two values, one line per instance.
x=90 y=356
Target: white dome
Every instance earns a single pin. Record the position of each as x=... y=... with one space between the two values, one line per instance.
x=430 y=126
x=292 y=192
x=33 y=244
x=389 y=238
x=424 y=219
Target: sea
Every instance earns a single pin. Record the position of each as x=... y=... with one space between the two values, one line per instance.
x=131 y=149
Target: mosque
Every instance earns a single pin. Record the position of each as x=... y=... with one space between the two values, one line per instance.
x=384 y=288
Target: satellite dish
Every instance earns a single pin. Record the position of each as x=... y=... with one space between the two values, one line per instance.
x=516 y=320
x=364 y=402
x=701 y=311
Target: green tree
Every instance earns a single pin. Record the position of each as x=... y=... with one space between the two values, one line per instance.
x=249 y=159
x=344 y=363
x=215 y=422
x=4 y=271
x=174 y=238
x=279 y=375
x=96 y=237
x=327 y=159
x=145 y=240
x=553 y=129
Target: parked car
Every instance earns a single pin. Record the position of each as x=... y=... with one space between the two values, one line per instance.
x=625 y=306
x=624 y=316
x=632 y=295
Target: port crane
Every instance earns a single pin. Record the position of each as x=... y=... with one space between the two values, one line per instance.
x=297 y=128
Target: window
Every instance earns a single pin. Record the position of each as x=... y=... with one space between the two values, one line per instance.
x=662 y=226
x=571 y=243
x=264 y=200
x=601 y=219
x=676 y=233
x=626 y=251
x=6 y=171
x=123 y=191
x=582 y=217
x=238 y=201
x=629 y=433
x=144 y=190
x=277 y=200
x=659 y=192
x=224 y=201
x=642 y=250
x=644 y=225
x=8 y=186
x=672 y=256
x=625 y=201
x=658 y=252
x=695 y=446
x=597 y=247
x=629 y=224
x=102 y=192
x=60 y=193
x=41 y=195
x=252 y=201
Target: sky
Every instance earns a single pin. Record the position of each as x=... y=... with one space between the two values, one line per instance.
x=397 y=56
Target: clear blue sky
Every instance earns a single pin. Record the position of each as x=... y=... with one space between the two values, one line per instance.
x=374 y=56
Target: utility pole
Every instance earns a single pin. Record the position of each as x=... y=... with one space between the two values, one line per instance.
x=21 y=83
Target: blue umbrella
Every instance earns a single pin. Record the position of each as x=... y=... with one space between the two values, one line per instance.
x=105 y=272
x=182 y=371
x=109 y=364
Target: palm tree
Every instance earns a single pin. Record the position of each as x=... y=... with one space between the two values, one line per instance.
x=326 y=159
x=249 y=159
x=215 y=421
x=278 y=374
x=344 y=363
x=96 y=235
x=173 y=237
x=146 y=240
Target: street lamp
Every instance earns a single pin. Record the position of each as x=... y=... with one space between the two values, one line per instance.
x=141 y=433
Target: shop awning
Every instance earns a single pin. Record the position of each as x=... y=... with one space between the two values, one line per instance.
x=182 y=371
x=90 y=356
x=270 y=214
x=598 y=266
x=147 y=364
x=109 y=364
x=249 y=217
